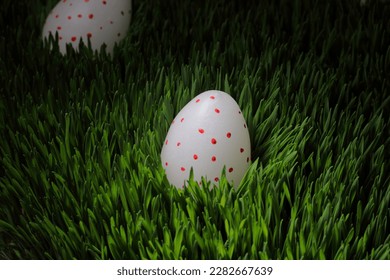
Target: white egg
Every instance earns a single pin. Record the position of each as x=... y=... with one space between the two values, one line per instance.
x=101 y=22
x=208 y=134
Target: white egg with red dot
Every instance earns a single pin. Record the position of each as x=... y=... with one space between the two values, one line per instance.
x=100 y=21
x=208 y=134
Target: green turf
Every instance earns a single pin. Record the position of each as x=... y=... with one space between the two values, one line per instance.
x=81 y=135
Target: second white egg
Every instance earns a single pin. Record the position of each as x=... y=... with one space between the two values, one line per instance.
x=103 y=22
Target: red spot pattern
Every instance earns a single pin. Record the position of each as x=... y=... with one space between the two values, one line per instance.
x=66 y=11
x=201 y=156
x=166 y=163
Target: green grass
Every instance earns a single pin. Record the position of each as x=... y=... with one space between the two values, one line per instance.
x=81 y=135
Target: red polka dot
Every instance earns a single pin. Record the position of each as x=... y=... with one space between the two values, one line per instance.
x=111 y=22
x=74 y=38
x=228 y=135
x=230 y=169
x=195 y=156
x=217 y=110
x=213 y=141
x=101 y=27
x=178 y=144
x=59 y=27
x=90 y=16
x=104 y=2
x=182 y=119
x=201 y=130
x=212 y=97
x=241 y=150
x=57 y=16
x=216 y=179
x=239 y=112
x=60 y=38
x=197 y=100
x=69 y=17
x=213 y=158
x=166 y=142
x=166 y=163
x=64 y=1
x=182 y=169
x=244 y=125
x=86 y=1
x=89 y=35
x=79 y=15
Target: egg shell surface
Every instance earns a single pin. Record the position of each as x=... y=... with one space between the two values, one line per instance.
x=101 y=22
x=208 y=134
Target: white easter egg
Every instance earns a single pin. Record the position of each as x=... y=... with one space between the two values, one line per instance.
x=101 y=22
x=208 y=134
